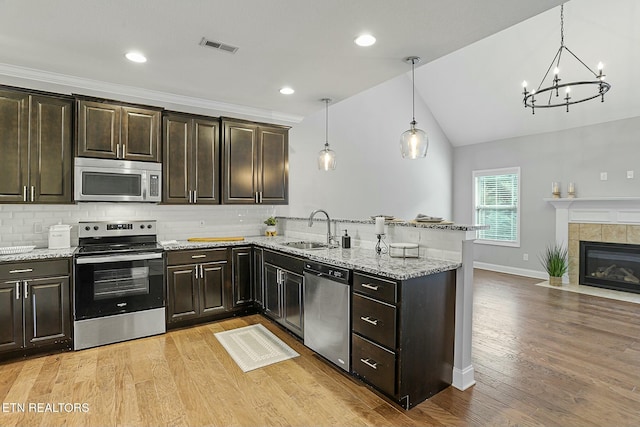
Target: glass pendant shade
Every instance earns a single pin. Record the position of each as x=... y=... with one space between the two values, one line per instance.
x=327 y=159
x=414 y=143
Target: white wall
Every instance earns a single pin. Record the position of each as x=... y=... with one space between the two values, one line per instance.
x=371 y=176
x=576 y=155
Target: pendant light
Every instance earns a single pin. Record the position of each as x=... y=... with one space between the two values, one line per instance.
x=414 y=142
x=326 y=157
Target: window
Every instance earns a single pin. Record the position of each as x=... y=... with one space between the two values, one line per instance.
x=497 y=204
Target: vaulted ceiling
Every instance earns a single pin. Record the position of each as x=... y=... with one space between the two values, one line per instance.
x=475 y=54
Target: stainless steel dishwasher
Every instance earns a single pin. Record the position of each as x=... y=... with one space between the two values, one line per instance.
x=327 y=312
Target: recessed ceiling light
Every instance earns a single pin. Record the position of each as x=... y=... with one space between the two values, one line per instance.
x=136 y=57
x=365 y=40
x=286 y=91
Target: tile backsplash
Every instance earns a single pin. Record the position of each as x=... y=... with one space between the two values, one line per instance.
x=26 y=224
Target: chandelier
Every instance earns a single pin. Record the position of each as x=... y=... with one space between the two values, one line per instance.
x=326 y=156
x=594 y=88
x=413 y=142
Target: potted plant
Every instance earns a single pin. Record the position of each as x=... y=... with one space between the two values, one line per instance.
x=271 y=226
x=554 y=260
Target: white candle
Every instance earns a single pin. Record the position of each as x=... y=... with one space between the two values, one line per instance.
x=379 y=225
x=572 y=187
x=555 y=187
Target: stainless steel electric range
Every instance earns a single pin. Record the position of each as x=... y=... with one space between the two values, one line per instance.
x=118 y=283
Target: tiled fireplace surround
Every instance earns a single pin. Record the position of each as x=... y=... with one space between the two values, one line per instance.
x=611 y=220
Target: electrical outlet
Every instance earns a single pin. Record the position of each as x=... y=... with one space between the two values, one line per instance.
x=630 y=174
x=202 y=223
x=525 y=257
x=603 y=176
x=37 y=227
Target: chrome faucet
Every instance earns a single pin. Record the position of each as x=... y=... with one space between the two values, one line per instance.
x=329 y=236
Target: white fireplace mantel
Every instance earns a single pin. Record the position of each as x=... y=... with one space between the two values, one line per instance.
x=603 y=210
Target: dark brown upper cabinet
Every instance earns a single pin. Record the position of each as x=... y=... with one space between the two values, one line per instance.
x=255 y=163
x=191 y=159
x=112 y=130
x=36 y=131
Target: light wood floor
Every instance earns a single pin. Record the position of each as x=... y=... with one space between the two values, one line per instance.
x=542 y=357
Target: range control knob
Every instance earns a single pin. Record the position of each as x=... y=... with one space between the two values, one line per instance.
x=149 y=226
x=95 y=227
x=141 y=225
x=87 y=228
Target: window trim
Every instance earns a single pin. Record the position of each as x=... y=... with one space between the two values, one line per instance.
x=490 y=172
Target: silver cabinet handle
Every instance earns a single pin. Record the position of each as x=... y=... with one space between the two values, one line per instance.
x=190 y=196
x=368 y=286
x=123 y=151
x=197 y=270
x=24 y=193
x=121 y=304
x=26 y=289
x=367 y=362
x=198 y=256
x=23 y=270
x=117 y=151
x=255 y=197
x=195 y=196
x=33 y=193
x=368 y=319
x=17 y=290
x=201 y=271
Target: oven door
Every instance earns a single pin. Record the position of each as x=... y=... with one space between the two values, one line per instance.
x=113 y=284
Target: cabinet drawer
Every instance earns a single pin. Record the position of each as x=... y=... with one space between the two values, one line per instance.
x=375 y=287
x=374 y=320
x=196 y=256
x=373 y=363
x=27 y=269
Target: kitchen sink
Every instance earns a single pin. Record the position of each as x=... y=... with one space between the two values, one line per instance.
x=306 y=245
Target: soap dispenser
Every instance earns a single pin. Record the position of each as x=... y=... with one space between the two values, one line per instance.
x=346 y=240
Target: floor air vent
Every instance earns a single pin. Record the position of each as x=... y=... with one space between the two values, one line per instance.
x=217 y=45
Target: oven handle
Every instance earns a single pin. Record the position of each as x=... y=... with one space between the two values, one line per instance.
x=117 y=258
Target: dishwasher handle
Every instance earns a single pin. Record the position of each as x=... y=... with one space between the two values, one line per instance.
x=329 y=272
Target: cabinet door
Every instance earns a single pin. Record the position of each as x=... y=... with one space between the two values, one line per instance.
x=183 y=293
x=212 y=287
x=10 y=316
x=258 y=282
x=204 y=169
x=242 y=277
x=293 y=304
x=47 y=313
x=240 y=174
x=14 y=146
x=98 y=129
x=272 y=306
x=51 y=155
x=274 y=170
x=140 y=134
x=176 y=166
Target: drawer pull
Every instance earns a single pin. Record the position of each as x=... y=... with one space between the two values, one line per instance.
x=198 y=256
x=368 y=319
x=23 y=270
x=368 y=286
x=367 y=362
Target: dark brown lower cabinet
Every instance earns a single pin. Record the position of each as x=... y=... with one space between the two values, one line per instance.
x=403 y=335
x=283 y=290
x=198 y=284
x=35 y=304
x=242 y=266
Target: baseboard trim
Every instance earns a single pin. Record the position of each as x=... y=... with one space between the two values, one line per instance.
x=463 y=378
x=511 y=270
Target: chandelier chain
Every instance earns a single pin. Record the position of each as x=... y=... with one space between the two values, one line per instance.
x=562 y=25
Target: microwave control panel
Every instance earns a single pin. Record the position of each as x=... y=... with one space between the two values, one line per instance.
x=154 y=185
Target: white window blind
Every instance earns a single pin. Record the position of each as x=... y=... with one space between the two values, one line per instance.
x=497 y=205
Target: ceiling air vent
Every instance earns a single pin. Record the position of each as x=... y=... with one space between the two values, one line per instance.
x=217 y=45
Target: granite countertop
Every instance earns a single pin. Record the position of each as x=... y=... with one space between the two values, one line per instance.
x=360 y=259
x=41 y=253
x=444 y=225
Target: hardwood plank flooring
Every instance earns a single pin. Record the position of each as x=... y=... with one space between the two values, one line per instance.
x=543 y=357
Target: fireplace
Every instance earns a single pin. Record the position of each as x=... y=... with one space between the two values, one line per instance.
x=610 y=265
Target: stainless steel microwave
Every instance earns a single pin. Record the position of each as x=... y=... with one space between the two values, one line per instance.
x=107 y=180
